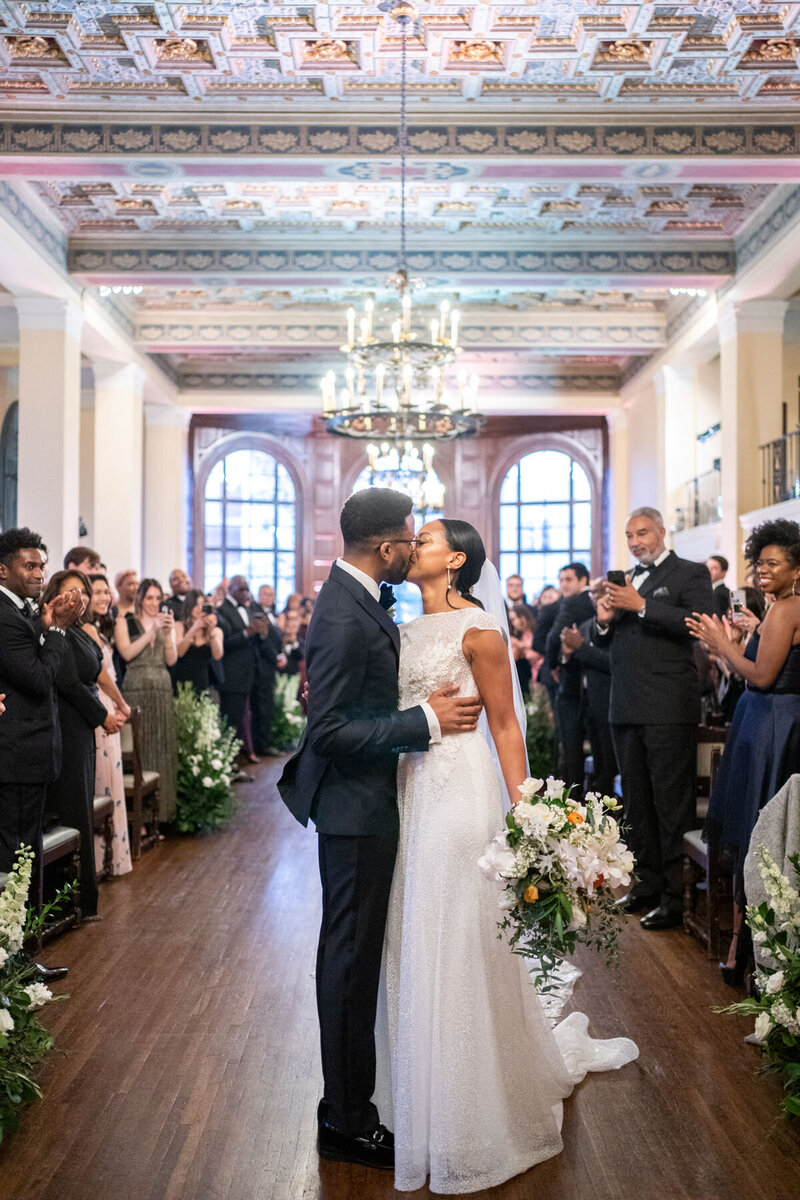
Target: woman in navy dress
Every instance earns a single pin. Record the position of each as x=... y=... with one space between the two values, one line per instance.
x=763 y=745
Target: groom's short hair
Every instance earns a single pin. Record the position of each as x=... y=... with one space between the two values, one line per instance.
x=372 y=515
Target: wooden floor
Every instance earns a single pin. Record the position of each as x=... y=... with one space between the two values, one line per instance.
x=187 y=1063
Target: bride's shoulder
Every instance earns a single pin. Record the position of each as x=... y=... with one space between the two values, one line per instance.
x=476 y=618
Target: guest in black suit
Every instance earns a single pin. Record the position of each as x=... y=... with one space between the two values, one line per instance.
x=30 y=658
x=655 y=710
x=344 y=778
x=180 y=584
x=575 y=607
x=718 y=568
x=70 y=796
x=591 y=656
x=242 y=622
x=293 y=648
x=270 y=657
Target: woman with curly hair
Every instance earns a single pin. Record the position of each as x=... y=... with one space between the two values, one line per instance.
x=763 y=745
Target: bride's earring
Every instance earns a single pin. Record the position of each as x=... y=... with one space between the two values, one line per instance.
x=449 y=580
x=794 y=587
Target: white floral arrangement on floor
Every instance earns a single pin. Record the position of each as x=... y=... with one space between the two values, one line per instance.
x=23 y=1041
x=775 y=926
x=288 y=721
x=207 y=751
x=558 y=860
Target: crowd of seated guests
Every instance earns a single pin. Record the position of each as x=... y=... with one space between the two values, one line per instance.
x=76 y=657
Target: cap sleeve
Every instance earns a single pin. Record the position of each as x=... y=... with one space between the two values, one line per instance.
x=476 y=618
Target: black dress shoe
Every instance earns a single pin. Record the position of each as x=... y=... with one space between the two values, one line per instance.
x=662 y=918
x=373 y=1149
x=733 y=976
x=322 y=1111
x=634 y=904
x=48 y=974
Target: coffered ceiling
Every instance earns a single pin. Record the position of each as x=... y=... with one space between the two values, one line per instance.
x=225 y=176
x=175 y=54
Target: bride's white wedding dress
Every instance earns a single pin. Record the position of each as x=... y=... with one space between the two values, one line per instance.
x=470 y=1074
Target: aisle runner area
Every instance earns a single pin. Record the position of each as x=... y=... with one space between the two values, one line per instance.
x=188 y=1066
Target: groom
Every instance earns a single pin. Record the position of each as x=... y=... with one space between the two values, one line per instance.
x=344 y=778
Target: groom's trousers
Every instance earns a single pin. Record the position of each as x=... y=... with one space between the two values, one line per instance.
x=356 y=875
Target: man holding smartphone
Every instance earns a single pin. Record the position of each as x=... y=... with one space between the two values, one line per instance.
x=655 y=709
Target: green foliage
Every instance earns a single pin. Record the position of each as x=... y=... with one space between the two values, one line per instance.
x=288 y=721
x=540 y=736
x=24 y=1042
x=775 y=925
x=207 y=750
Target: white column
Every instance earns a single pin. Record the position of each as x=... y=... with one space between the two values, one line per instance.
x=118 y=450
x=49 y=419
x=751 y=391
x=166 y=473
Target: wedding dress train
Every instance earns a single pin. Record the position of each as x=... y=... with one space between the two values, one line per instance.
x=471 y=1075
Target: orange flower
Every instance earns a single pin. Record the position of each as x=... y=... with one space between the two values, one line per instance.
x=599 y=881
x=575 y=818
x=531 y=894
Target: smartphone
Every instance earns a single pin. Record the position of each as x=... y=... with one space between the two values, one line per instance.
x=618 y=578
x=208 y=609
x=165 y=608
x=738 y=600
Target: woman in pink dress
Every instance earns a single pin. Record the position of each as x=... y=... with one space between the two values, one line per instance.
x=108 y=771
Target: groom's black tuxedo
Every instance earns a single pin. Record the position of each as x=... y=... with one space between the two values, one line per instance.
x=344 y=778
x=344 y=775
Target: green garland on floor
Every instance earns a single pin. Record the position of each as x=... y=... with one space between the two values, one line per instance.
x=24 y=1042
x=207 y=750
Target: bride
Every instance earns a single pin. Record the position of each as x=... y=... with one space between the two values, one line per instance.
x=467 y=1060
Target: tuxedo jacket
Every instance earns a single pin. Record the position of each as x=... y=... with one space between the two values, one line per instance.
x=544 y=623
x=30 y=738
x=571 y=610
x=269 y=646
x=653 y=672
x=722 y=600
x=344 y=775
x=240 y=650
x=594 y=663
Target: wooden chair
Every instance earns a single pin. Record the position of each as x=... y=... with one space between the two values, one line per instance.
x=707 y=888
x=60 y=843
x=141 y=786
x=104 y=825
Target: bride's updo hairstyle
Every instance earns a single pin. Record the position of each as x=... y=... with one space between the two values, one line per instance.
x=463 y=538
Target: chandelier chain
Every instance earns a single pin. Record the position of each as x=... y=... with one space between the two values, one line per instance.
x=403 y=143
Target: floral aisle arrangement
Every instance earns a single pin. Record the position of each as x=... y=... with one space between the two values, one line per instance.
x=207 y=751
x=540 y=735
x=288 y=721
x=558 y=861
x=775 y=925
x=23 y=1041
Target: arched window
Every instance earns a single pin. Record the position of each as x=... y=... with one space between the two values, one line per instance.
x=250 y=523
x=8 y=467
x=545 y=518
x=406 y=470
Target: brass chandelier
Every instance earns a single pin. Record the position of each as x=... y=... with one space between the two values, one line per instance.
x=401 y=387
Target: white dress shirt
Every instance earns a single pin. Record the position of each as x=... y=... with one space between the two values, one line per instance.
x=240 y=608
x=366 y=581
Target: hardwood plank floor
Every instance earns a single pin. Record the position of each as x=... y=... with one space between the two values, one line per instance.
x=187 y=1064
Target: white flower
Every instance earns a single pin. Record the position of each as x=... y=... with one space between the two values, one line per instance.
x=6 y=1021
x=760 y=938
x=216 y=763
x=38 y=994
x=578 y=919
x=763 y=1025
x=506 y=900
x=774 y=983
x=3 y=956
x=554 y=788
x=195 y=771
x=208 y=781
x=498 y=860
x=530 y=787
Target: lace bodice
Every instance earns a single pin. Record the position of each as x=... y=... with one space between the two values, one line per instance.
x=432 y=655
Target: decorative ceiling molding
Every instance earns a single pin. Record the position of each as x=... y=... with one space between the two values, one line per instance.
x=226 y=54
x=21 y=215
x=540 y=382
x=565 y=139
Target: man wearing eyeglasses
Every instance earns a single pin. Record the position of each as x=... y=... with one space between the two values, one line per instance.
x=343 y=778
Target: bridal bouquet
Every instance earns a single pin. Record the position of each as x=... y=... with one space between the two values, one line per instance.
x=558 y=861
x=23 y=1041
x=775 y=925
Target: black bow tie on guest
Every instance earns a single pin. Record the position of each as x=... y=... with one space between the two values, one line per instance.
x=388 y=598
x=640 y=569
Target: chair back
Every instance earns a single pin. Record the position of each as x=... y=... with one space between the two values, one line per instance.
x=710 y=745
x=131 y=742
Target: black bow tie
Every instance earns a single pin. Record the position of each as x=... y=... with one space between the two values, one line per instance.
x=387 y=597
x=639 y=569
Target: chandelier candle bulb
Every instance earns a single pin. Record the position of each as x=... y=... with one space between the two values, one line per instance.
x=406 y=315
x=368 y=309
x=427 y=456
x=380 y=371
x=444 y=309
x=350 y=380
x=395 y=331
x=454 y=320
x=434 y=330
x=351 y=326
x=407 y=382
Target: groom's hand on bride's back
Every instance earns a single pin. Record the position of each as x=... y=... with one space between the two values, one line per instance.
x=455 y=714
